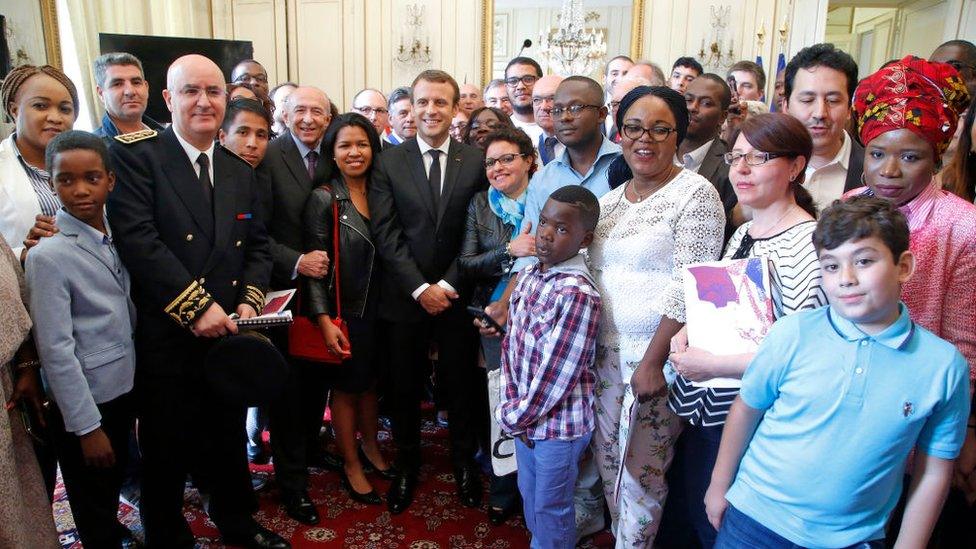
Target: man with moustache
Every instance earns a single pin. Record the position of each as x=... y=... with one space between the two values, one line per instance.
x=297 y=165
x=186 y=221
x=371 y=103
x=521 y=75
x=708 y=98
x=818 y=84
x=418 y=208
x=542 y=99
x=402 y=125
x=496 y=95
x=470 y=99
x=124 y=91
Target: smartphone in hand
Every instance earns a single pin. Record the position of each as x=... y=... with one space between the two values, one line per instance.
x=485 y=318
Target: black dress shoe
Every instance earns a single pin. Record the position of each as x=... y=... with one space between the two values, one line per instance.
x=389 y=473
x=369 y=498
x=260 y=538
x=497 y=516
x=400 y=495
x=300 y=507
x=326 y=460
x=468 y=486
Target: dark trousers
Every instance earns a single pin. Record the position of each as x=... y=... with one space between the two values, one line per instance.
x=94 y=491
x=184 y=427
x=685 y=523
x=456 y=340
x=295 y=419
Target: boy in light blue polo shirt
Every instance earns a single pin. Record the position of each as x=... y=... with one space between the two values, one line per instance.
x=836 y=399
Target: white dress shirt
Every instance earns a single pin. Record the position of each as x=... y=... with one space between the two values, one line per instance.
x=826 y=183
x=193 y=153
x=693 y=160
x=428 y=162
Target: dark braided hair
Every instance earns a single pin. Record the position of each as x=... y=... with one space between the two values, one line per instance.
x=16 y=78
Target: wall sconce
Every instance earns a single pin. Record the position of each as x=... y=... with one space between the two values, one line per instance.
x=417 y=49
x=714 y=56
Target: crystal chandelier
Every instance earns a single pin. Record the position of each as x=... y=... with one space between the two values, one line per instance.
x=572 y=48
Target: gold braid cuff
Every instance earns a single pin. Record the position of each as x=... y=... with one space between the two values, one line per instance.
x=189 y=305
x=254 y=297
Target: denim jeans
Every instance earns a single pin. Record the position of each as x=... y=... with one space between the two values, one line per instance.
x=546 y=478
x=741 y=531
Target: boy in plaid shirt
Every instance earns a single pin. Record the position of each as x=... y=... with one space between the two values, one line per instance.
x=547 y=359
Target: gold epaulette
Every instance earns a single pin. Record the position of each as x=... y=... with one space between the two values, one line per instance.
x=254 y=297
x=189 y=305
x=135 y=137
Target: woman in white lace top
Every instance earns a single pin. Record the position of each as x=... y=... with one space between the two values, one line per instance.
x=661 y=219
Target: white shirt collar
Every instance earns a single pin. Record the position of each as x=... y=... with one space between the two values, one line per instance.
x=693 y=160
x=842 y=158
x=424 y=146
x=193 y=153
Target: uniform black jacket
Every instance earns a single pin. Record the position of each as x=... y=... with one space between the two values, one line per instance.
x=416 y=243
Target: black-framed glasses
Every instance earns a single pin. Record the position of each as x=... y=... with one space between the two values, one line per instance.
x=528 y=80
x=574 y=110
x=754 y=158
x=244 y=77
x=490 y=125
x=366 y=111
x=657 y=134
x=504 y=160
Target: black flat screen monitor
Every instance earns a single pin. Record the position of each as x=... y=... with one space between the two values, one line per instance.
x=158 y=52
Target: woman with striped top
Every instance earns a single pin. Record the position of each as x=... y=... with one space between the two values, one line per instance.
x=767 y=164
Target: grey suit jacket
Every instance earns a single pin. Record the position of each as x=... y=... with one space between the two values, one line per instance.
x=83 y=322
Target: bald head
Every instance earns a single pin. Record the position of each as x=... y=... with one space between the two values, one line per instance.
x=542 y=96
x=371 y=103
x=307 y=114
x=647 y=72
x=623 y=87
x=196 y=95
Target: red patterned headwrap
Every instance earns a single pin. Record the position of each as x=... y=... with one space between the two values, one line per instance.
x=913 y=94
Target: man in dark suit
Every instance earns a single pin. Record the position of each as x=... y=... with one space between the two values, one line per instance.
x=185 y=214
x=296 y=165
x=708 y=98
x=418 y=205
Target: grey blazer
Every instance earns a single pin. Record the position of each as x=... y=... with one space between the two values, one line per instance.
x=83 y=321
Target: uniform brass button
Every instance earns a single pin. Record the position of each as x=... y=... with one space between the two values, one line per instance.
x=238 y=244
x=202 y=280
x=189 y=237
x=233 y=283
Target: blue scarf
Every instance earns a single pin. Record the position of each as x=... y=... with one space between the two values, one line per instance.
x=510 y=211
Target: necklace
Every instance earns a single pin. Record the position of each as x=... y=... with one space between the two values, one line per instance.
x=652 y=190
x=767 y=232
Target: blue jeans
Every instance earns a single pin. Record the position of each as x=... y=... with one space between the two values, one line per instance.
x=739 y=530
x=546 y=478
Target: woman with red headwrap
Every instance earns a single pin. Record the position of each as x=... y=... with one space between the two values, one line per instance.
x=906 y=114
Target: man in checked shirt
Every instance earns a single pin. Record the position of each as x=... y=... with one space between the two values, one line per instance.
x=547 y=361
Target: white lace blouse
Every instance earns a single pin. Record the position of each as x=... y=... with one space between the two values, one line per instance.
x=639 y=249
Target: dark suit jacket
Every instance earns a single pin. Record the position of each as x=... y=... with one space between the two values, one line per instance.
x=855 y=167
x=284 y=203
x=182 y=255
x=714 y=169
x=416 y=243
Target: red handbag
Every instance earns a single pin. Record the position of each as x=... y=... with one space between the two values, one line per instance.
x=305 y=339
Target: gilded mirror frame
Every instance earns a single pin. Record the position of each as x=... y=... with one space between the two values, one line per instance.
x=487 y=18
x=49 y=22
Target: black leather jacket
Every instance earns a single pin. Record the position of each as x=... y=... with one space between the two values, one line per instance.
x=358 y=269
x=483 y=259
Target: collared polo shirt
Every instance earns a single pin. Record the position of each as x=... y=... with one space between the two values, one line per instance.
x=843 y=410
x=558 y=174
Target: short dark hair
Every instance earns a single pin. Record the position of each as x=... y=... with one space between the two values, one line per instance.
x=583 y=200
x=517 y=137
x=750 y=66
x=689 y=62
x=966 y=45
x=726 y=99
x=524 y=61
x=244 y=104
x=606 y=68
x=72 y=140
x=114 y=59
x=593 y=86
x=862 y=217
x=821 y=55
x=397 y=95
x=346 y=120
x=438 y=77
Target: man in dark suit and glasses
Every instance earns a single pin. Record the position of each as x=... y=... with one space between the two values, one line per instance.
x=296 y=165
x=187 y=224
x=418 y=206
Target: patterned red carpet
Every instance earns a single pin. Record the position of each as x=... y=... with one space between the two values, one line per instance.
x=436 y=520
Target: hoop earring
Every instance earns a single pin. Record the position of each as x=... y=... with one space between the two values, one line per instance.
x=863 y=183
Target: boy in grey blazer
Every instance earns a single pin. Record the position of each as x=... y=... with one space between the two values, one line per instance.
x=83 y=328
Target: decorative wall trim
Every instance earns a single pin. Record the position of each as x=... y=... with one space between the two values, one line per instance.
x=637 y=30
x=487 y=29
x=52 y=41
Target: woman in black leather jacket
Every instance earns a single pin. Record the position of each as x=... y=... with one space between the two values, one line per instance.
x=353 y=142
x=486 y=258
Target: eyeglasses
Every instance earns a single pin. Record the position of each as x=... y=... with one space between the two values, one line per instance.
x=491 y=125
x=574 y=110
x=244 y=77
x=657 y=134
x=528 y=80
x=754 y=158
x=366 y=111
x=505 y=160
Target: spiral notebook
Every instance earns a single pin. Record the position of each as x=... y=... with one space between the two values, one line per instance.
x=273 y=314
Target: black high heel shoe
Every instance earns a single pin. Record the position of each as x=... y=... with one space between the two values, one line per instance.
x=389 y=473
x=369 y=498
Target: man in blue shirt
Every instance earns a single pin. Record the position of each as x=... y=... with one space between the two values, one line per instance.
x=834 y=431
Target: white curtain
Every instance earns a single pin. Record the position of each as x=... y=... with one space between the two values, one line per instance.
x=84 y=19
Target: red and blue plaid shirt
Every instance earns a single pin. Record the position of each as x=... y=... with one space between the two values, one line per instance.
x=548 y=353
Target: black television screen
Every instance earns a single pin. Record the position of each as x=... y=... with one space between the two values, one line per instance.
x=158 y=52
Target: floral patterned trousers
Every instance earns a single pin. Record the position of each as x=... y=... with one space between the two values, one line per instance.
x=647 y=442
